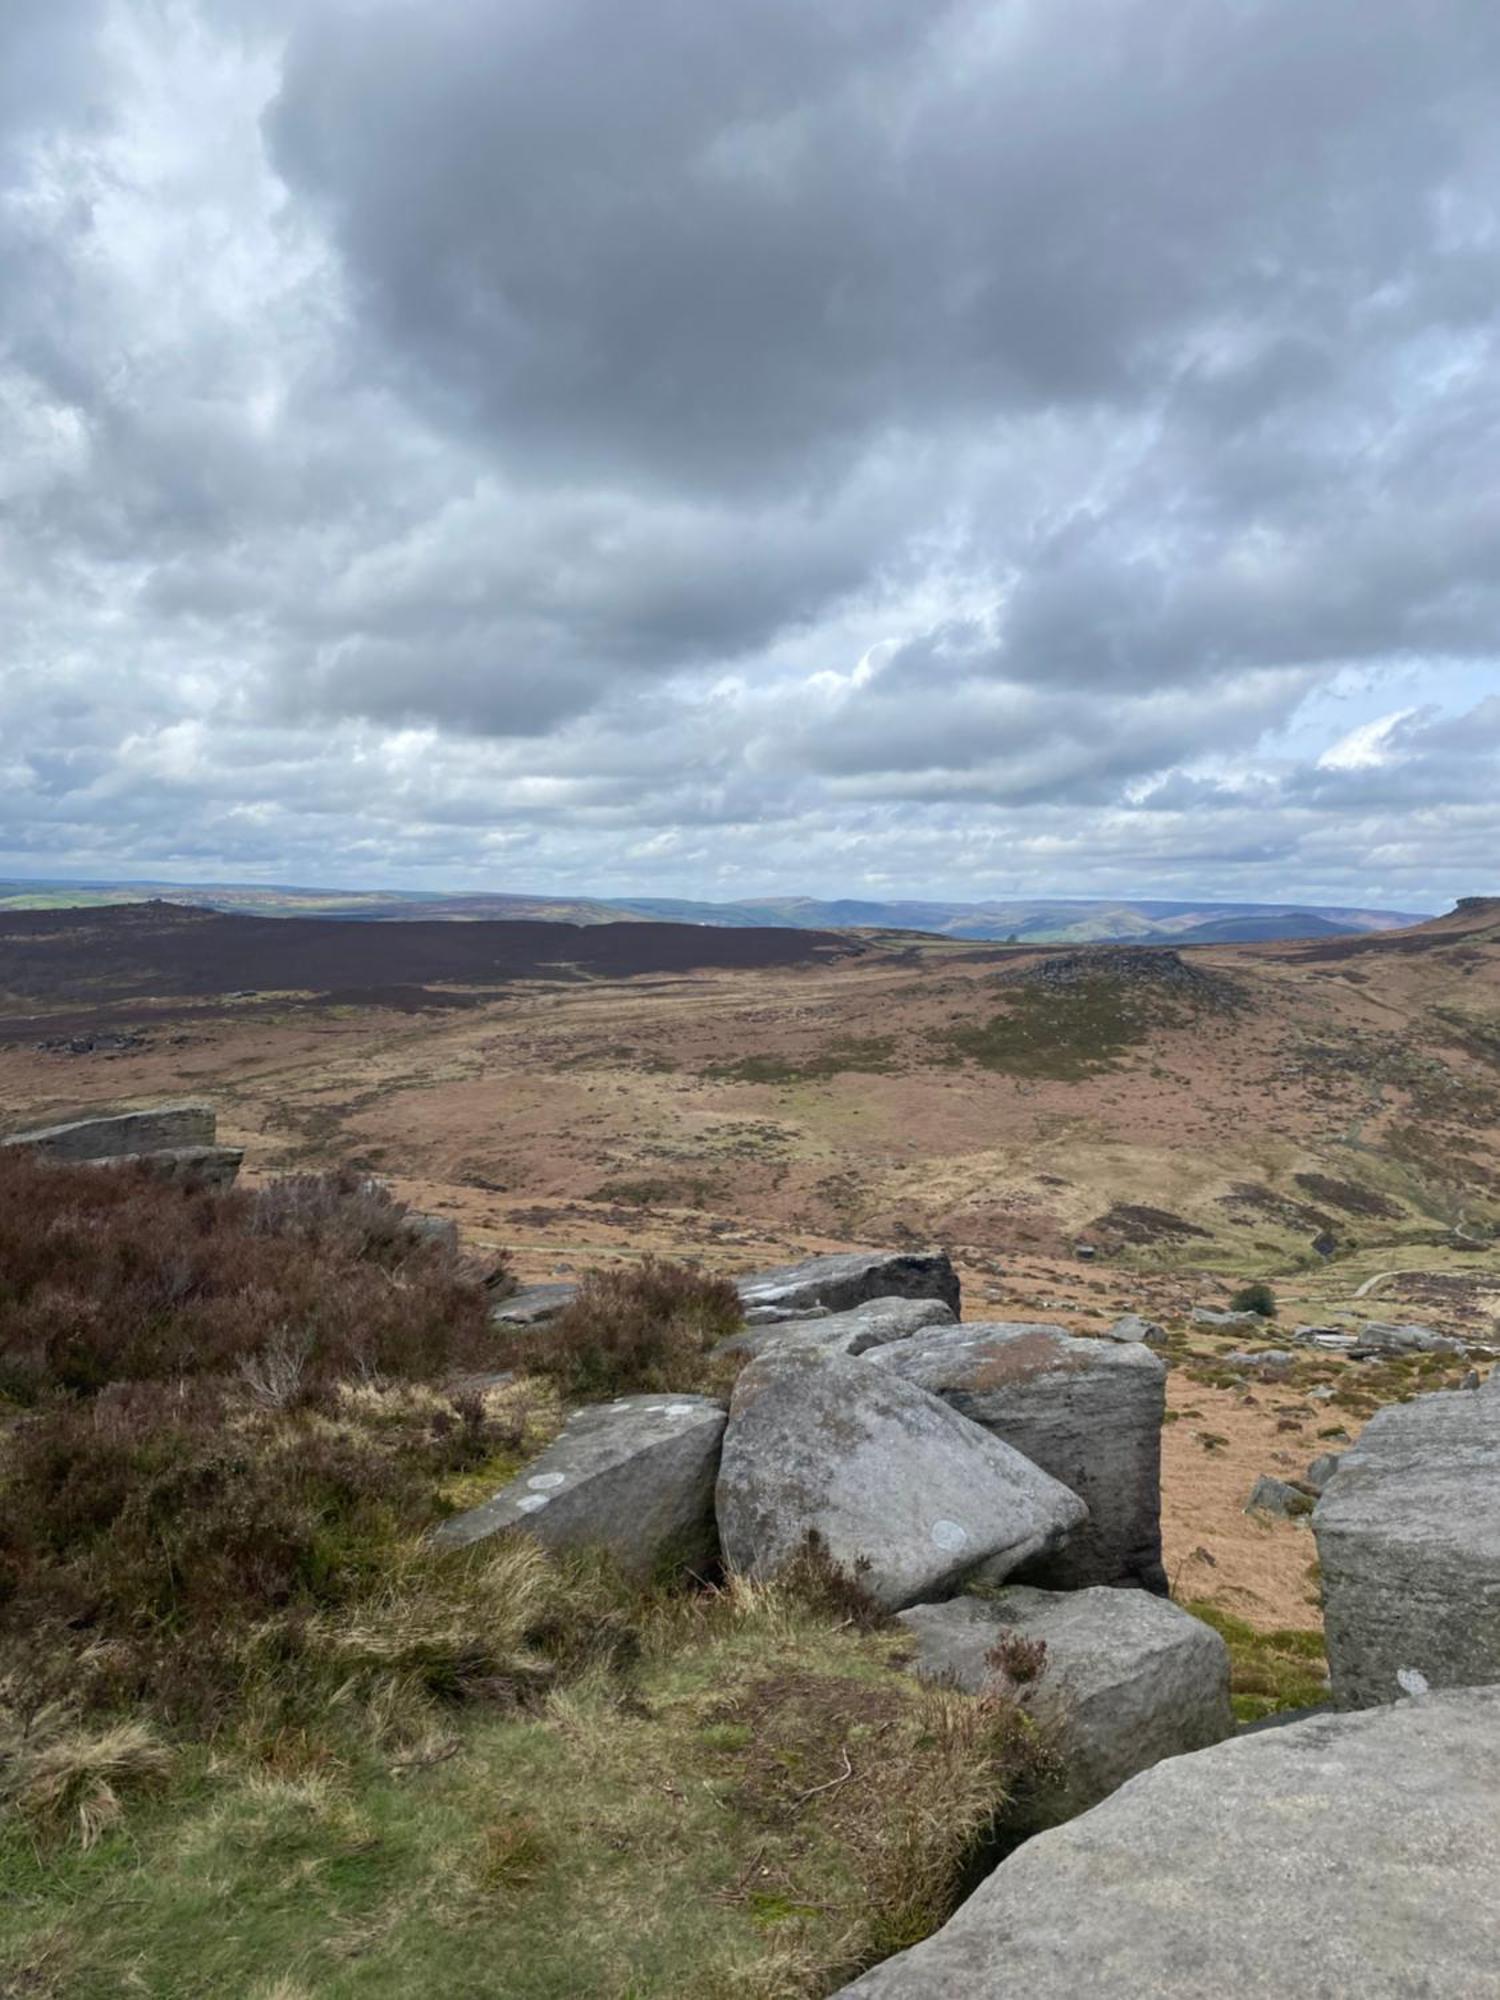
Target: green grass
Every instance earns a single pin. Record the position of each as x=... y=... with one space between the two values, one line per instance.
x=867 y=1055
x=1268 y=1671
x=1065 y=1033
x=685 y=1829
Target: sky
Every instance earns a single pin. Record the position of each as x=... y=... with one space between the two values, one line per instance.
x=873 y=447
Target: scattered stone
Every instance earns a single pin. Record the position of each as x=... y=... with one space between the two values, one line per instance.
x=1409 y=1544
x=1378 y=1336
x=164 y=1128
x=1133 y=1328
x=895 y=1484
x=1087 y=1411
x=1127 y=1680
x=1323 y=1468
x=1345 y=1854
x=635 y=1477
x=1281 y=1497
x=853 y=1332
x=1228 y=1322
x=846 y=1279
x=1271 y=1363
x=1086 y=1251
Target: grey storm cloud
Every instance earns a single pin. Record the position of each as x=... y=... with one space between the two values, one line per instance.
x=944 y=444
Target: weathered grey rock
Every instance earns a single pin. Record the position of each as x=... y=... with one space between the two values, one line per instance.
x=1322 y=1469
x=849 y=1278
x=1380 y=1336
x=533 y=1305
x=1347 y=1855
x=1278 y=1496
x=875 y=1324
x=1133 y=1329
x=1409 y=1544
x=189 y=1166
x=884 y=1474
x=440 y=1229
x=635 y=1477
x=1087 y=1411
x=1271 y=1364
x=1227 y=1322
x=163 y=1128
x=1128 y=1678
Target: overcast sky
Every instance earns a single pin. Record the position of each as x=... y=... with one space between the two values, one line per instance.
x=719 y=447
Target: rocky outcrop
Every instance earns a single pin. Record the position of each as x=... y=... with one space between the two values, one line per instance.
x=1087 y=1411
x=816 y=1287
x=894 y=1483
x=1379 y=1336
x=1343 y=1855
x=875 y=1324
x=1409 y=1544
x=1126 y=1679
x=163 y=1128
x=635 y=1477
x=849 y=1278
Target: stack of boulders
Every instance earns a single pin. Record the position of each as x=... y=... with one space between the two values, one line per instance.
x=1341 y=1853
x=990 y=1482
x=176 y=1141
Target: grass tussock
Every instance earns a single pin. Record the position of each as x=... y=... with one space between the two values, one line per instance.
x=1268 y=1671
x=639 y=1329
x=744 y=1800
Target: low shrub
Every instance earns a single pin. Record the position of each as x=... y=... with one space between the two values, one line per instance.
x=119 y=1277
x=1255 y=1298
x=641 y=1329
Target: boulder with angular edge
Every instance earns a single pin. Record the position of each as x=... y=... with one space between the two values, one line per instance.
x=1344 y=1855
x=1409 y=1547
x=635 y=1477
x=895 y=1485
x=1087 y=1411
x=845 y=1279
x=1126 y=1678
x=875 y=1324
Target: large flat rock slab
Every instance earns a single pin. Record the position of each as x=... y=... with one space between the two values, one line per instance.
x=848 y=1278
x=162 y=1128
x=1087 y=1411
x=874 y=1324
x=635 y=1477
x=894 y=1482
x=1344 y=1856
x=1409 y=1544
x=1128 y=1678
x=533 y=1305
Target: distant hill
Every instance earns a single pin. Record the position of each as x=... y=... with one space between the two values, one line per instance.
x=1055 y=920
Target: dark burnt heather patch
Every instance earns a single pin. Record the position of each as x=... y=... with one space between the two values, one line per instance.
x=1349 y=1197
x=1133 y=1223
x=137 y=951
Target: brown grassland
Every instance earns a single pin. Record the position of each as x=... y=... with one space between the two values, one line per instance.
x=256 y=1740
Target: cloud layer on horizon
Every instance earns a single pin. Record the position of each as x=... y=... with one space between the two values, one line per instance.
x=966 y=447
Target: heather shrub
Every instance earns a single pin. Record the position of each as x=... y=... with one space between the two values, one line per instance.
x=640 y=1329
x=1255 y=1298
x=118 y=1277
